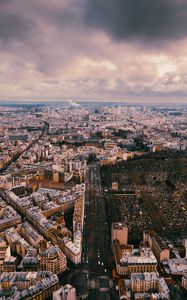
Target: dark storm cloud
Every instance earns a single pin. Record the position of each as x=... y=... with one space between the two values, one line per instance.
x=14 y=27
x=139 y=19
x=57 y=47
x=21 y=20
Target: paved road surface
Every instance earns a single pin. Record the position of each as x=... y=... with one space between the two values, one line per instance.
x=96 y=256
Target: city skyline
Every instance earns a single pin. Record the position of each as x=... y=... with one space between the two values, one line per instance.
x=93 y=201
x=87 y=50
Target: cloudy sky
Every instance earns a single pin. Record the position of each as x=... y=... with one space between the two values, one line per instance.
x=94 y=50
